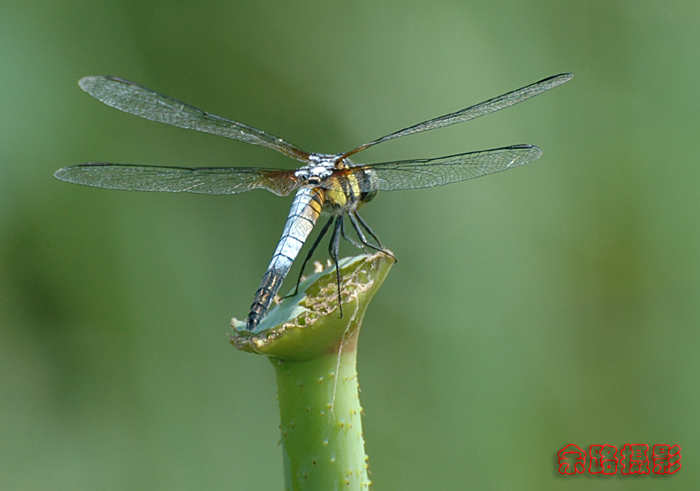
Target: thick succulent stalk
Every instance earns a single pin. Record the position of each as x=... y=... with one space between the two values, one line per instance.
x=314 y=352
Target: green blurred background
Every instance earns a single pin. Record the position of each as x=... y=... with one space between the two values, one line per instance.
x=557 y=303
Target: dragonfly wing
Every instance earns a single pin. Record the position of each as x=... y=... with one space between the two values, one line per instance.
x=426 y=173
x=146 y=103
x=472 y=112
x=202 y=180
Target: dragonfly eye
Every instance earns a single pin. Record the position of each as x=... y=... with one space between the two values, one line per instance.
x=344 y=164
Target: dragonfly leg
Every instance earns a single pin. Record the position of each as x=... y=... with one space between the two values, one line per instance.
x=350 y=239
x=356 y=220
x=333 y=247
x=311 y=253
x=368 y=229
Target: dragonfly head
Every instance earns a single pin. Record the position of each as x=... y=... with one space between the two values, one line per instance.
x=319 y=168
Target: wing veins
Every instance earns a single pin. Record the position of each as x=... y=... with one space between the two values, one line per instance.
x=200 y=180
x=149 y=104
x=473 y=112
x=424 y=173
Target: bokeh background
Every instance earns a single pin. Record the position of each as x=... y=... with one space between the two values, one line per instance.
x=557 y=303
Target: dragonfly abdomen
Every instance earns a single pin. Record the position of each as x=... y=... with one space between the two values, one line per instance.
x=305 y=210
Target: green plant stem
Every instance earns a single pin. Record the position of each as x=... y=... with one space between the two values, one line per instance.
x=314 y=352
x=321 y=422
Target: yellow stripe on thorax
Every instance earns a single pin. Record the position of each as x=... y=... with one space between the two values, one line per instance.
x=343 y=190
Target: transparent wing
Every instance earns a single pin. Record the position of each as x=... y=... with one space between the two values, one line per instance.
x=140 y=101
x=203 y=180
x=492 y=105
x=426 y=173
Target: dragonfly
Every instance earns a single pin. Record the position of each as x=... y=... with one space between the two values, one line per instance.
x=326 y=183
